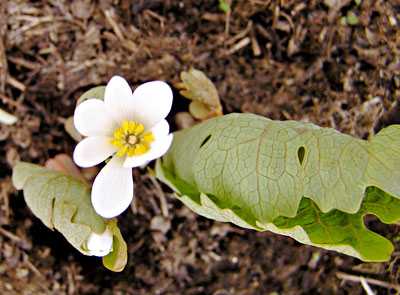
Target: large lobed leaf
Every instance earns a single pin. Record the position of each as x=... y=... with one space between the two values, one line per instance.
x=311 y=183
x=63 y=202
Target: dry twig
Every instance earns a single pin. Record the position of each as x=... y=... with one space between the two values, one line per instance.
x=353 y=278
x=3 y=58
x=161 y=195
x=10 y=235
x=241 y=44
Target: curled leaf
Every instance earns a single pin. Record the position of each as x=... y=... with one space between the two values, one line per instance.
x=198 y=88
x=63 y=202
x=60 y=201
x=311 y=183
x=118 y=258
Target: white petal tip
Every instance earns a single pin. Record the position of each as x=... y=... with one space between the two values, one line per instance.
x=118 y=80
x=93 y=150
x=109 y=212
x=114 y=208
x=152 y=102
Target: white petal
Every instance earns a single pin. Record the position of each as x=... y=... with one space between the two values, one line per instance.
x=112 y=190
x=99 y=245
x=160 y=130
x=162 y=141
x=136 y=161
x=144 y=164
x=92 y=118
x=152 y=102
x=93 y=150
x=154 y=152
x=157 y=151
x=158 y=147
x=118 y=99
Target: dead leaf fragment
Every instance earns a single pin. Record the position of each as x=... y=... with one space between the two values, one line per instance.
x=160 y=223
x=184 y=120
x=7 y=118
x=65 y=164
x=82 y=9
x=198 y=88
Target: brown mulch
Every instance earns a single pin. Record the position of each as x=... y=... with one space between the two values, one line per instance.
x=282 y=59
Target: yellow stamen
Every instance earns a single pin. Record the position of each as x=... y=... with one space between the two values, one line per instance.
x=130 y=152
x=132 y=126
x=125 y=126
x=148 y=137
x=117 y=142
x=141 y=149
x=131 y=140
x=139 y=129
x=122 y=151
x=118 y=134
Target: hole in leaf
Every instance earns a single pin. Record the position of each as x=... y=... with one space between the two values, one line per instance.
x=205 y=140
x=300 y=154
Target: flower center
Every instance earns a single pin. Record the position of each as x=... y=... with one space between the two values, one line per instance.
x=131 y=140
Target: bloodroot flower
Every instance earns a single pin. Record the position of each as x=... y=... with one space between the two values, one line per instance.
x=128 y=127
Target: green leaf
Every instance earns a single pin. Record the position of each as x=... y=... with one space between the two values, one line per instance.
x=63 y=203
x=253 y=172
x=337 y=227
x=57 y=200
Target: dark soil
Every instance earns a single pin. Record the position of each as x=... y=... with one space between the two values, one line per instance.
x=283 y=59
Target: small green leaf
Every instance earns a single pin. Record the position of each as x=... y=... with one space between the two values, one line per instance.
x=352 y=19
x=343 y=21
x=95 y=92
x=71 y=130
x=224 y=6
x=253 y=172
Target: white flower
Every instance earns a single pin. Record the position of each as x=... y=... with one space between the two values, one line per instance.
x=99 y=245
x=130 y=127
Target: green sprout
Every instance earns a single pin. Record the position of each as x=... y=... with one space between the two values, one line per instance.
x=351 y=19
x=224 y=6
